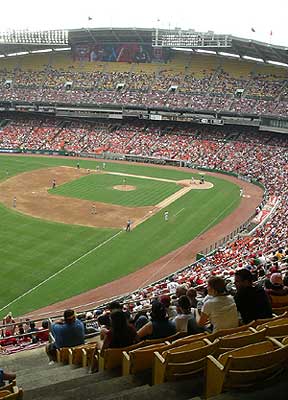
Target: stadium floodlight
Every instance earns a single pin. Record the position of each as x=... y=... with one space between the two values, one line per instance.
x=223 y=53
x=278 y=63
x=253 y=59
x=189 y=39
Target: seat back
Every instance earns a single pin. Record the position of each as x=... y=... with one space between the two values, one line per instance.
x=279 y=301
x=190 y=339
x=278 y=331
x=76 y=353
x=240 y=339
x=112 y=358
x=182 y=361
x=280 y=310
x=251 y=369
x=142 y=358
x=225 y=332
x=244 y=367
x=63 y=355
x=272 y=322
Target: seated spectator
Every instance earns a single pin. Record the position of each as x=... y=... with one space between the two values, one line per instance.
x=32 y=329
x=220 y=309
x=8 y=321
x=91 y=325
x=104 y=323
x=191 y=294
x=252 y=302
x=121 y=333
x=67 y=332
x=43 y=332
x=6 y=376
x=159 y=326
x=184 y=315
x=140 y=320
x=21 y=331
x=275 y=287
x=171 y=310
x=181 y=290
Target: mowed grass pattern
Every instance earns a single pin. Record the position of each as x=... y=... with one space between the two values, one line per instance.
x=96 y=187
x=33 y=250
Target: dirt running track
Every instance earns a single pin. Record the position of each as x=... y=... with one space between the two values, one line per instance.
x=159 y=268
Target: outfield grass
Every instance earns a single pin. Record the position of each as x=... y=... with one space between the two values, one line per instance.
x=100 y=188
x=33 y=250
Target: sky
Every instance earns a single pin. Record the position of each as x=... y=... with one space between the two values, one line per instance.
x=221 y=16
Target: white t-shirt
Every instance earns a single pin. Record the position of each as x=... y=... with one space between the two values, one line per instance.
x=222 y=312
x=181 y=321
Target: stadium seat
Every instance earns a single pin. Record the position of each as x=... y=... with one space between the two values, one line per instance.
x=75 y=354
x=141 y=359
x=14 y=393
x=279 y=301
x=245 y=367
x=240 y=339
x=182 y=362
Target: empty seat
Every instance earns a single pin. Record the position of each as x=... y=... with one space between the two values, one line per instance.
x=244 y=367
x=183 y=361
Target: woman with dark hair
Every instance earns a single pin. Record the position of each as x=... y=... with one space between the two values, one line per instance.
x=159 y=326
x=121 y=333
x=220 y=308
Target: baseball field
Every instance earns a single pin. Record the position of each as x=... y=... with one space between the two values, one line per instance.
x=62 y=241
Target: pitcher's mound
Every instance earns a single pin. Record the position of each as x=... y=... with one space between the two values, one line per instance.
x=124 y=188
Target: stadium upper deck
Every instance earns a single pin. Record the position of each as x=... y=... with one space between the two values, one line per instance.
x=143 y=68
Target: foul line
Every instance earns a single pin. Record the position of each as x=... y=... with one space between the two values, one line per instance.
x=182 y=249
x=60 y=271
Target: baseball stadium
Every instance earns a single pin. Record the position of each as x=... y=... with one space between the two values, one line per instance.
x=142 y=170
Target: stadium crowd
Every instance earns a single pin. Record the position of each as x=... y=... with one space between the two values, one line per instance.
x=183 y=297
x=215 y=91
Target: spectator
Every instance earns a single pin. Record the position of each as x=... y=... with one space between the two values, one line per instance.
x=43 y=332
x=159 y=326
x=67 y=332
x=33 y=330
x=171 y=310
x=184 y=315
x=191 y=294
x=275 y=287
x=221 y=309
x=252 y=301
x=121 y=333
x=91 y=325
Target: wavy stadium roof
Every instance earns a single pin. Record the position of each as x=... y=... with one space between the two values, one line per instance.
x=191 y=41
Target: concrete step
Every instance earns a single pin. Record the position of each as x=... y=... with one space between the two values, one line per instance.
x=25 y=359
x=58 y=387
x=84 y=388
x=38 y=378
x=167 y=391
